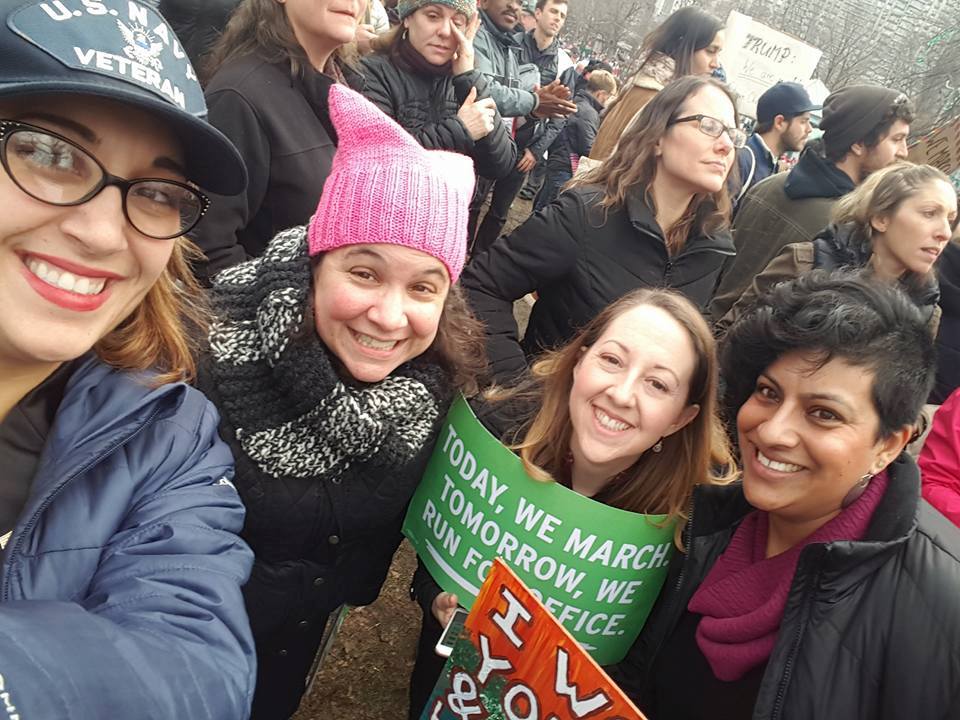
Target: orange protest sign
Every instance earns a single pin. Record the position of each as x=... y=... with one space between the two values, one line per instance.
x=514 y=661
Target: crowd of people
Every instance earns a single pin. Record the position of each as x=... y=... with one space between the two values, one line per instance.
x=245 y=270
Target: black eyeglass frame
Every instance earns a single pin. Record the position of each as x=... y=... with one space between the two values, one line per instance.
x=699 y=119
x=9 y=127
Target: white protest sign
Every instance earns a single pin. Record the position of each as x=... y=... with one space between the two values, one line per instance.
x=756 y=56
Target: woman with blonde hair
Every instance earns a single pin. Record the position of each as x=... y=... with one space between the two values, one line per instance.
x=625 y=414
x=267 y=80
x=654 y=215
x=121 y=562
x=896 y=223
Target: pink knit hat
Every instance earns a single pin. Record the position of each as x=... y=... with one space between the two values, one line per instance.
x=385 y=188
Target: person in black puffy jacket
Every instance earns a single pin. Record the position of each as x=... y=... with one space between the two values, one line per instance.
x=653 y=215
x=822 y=586
x=424 y=78
x=333 y=359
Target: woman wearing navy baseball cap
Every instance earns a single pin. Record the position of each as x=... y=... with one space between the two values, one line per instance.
x=120 y=564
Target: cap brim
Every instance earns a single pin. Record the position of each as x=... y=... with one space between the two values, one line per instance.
x=212 y=161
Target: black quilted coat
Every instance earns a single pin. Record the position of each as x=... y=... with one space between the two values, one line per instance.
x=426 y=106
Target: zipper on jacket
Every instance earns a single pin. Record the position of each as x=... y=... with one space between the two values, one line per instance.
x=51 y=496
x=687 y=544
x=718 y=251
x=795 y=645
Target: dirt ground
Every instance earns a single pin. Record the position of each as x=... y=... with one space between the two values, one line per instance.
x=365 y=674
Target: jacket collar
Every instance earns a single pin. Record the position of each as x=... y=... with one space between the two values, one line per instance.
x=642 y=218
x=587 y=97
x=760 y=148
x=719 y=508
x=814 y=177
x=534 y=50
x=101 y=409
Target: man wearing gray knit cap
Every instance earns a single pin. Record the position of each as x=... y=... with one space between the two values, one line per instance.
x=865 y=128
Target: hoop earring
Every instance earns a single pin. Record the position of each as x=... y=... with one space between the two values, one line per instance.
x=658 y=446
x=403 y=35
x=856 y=491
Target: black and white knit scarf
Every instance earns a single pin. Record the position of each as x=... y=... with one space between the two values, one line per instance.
x=292 y=412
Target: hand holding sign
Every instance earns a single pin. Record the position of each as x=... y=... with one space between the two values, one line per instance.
x=515 y=661
x=598 y=569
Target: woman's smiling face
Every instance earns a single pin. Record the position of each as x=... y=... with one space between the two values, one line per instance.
x=378 y=306
x=630 y=389
x=808 y=434
x=71 y=275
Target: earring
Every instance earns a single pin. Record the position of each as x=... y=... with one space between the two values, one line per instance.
x=856 y=491
x=403 y=36
x=658 y=446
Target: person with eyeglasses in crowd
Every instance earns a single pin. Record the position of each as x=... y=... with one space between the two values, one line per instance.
x=120 y=561
x=655 y=214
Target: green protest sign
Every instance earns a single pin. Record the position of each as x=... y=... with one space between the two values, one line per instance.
x=598 y=569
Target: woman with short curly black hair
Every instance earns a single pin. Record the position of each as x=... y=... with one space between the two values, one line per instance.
x=823 y=586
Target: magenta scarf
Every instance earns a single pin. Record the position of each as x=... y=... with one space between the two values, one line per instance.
x=744 y=594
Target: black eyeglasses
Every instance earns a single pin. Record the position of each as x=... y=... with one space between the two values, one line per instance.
x=714 y=128
x=53 y=169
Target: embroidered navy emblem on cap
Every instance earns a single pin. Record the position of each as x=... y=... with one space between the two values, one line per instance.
x=122 y=50
x=121 y=39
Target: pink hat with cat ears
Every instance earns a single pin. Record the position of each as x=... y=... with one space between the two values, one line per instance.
x=385 y=188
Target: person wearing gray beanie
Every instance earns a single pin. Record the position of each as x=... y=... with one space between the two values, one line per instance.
x=865 y=128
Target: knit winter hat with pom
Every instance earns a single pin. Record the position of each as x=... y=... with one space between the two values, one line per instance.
x=385 y=188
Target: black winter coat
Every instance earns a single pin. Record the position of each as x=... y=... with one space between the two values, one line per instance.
x=319 y=542
x=426 y=106
x=871 y=628
x=281 y=126
x=948 y=337
x=578 y=133
x=579 y=257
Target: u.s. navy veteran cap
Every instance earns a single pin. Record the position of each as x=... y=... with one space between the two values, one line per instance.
x=117 y=49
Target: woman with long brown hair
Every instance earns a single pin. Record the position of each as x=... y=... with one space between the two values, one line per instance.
x=625 y=413
x=333 y=359
x=655 y=214
x=267 y=80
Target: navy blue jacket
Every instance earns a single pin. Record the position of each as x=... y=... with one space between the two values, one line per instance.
x=755 y=157
x=120 y=586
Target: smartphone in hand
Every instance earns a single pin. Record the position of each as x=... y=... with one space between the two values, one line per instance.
x=451 y=632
